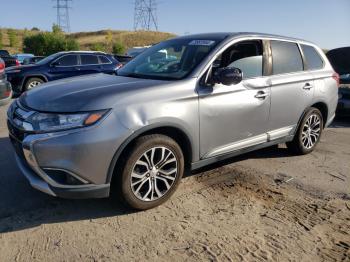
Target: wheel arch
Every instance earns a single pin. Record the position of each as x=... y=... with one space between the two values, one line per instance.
x=322 y=106
x=25 y=80
x=173 y=131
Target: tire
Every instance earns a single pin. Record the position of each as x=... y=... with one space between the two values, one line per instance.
x=142 y=183
x=32 y=83
x=308 y=134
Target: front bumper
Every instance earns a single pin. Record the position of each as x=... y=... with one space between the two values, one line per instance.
x=40 y=181
x=69 y=164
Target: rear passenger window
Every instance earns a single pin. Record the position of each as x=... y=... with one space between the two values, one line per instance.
x=313 y=59
x=286 y=57
x=104 y=60
x=89 y=59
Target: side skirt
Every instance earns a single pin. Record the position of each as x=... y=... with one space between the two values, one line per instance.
x=208 y=161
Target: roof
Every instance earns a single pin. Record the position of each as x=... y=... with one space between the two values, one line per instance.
x=223 y=35
x=82 y=52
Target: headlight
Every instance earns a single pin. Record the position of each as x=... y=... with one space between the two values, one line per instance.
x=47 y=122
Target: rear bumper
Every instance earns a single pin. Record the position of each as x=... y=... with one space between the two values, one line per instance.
x=5 y=92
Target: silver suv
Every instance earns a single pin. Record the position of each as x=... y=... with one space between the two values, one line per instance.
x=182 y=104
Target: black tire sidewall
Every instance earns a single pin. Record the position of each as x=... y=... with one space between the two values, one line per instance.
x=142 y=145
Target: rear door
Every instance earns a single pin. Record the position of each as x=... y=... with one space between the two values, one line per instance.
x=89 y=64
x=292 y=88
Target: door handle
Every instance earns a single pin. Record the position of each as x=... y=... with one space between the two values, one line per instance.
x=307 y=86
x=261 y=95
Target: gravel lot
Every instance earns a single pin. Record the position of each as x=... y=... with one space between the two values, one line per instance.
x=266 y=205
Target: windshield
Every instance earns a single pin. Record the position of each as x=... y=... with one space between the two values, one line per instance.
x=47 y=59
x=170 y=60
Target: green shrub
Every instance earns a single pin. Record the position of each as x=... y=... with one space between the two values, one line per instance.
x=1 y=45
x=48 y=43
x=118 y=48
x=98 y=47
x=12 y=37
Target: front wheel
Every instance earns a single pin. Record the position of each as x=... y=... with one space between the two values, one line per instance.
x=152 y=171
x=308 y=133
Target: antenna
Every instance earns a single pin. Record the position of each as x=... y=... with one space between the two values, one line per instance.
x=145 y=16
x=62 y=7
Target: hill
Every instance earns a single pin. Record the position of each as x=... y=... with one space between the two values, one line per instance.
x=87 y=40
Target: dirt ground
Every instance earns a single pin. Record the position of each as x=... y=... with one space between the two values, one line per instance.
x=263 y=206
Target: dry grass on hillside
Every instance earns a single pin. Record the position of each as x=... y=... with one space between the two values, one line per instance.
x=87 y=39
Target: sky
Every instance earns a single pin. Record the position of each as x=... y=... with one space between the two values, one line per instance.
x=325 y=22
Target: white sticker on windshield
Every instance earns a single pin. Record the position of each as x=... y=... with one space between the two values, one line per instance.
x=202 y=42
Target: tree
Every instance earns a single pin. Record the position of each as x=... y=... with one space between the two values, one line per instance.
x=56 y=29
x=118 y=48
x=35 y=29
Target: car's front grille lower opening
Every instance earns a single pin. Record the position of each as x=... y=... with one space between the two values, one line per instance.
x=62 y=177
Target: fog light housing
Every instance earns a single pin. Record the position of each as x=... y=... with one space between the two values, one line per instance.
x=64 y=177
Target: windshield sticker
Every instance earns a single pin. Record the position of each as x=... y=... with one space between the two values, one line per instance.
x=202 y=42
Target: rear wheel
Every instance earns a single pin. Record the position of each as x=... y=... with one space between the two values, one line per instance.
x=33 y=82
x=152 y=172
x=308 y=134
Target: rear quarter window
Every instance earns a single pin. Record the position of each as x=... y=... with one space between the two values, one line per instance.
x=104 y=60
x=312 y=58
x=286 y=57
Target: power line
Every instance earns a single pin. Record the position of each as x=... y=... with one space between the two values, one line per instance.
x=62 y=7
x=145 y=15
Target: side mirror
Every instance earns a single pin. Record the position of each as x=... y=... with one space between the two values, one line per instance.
x=228 y=76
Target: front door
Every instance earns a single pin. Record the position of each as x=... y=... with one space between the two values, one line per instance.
x=235 y=117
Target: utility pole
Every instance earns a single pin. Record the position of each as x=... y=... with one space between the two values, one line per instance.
x=62 y=7
x=145 y=15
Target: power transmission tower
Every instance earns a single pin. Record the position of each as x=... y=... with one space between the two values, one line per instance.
x=145 y=16
x=62 y=7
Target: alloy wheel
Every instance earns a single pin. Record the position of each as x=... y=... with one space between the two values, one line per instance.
x=311 y=131
x=33 y=84
x=154 y=173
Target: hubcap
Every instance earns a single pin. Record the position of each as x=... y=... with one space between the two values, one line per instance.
x=33 y=84
x=311 y=131
x=154 y=174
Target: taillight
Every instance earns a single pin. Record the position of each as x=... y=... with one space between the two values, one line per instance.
x=335 y=76
x=2 y=67
x=117 y=66
x=17 y=63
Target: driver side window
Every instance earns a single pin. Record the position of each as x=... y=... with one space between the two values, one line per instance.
x=245 y=55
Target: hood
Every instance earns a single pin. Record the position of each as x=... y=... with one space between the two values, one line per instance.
x=83 y=93
x=340 y=59
x=21 y=67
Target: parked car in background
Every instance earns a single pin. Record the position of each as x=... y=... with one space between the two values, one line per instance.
x=207 y=98
x=5 y=87
x=21 y=57
x=58 y=66
x=135 y=51
x=123 y=58
x=340 y=60
x=32 y=60
x=8 y=59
